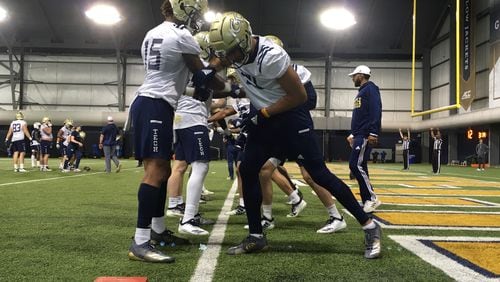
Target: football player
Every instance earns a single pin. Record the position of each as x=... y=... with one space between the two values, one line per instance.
x=35 y=145
x=275 y=89
x=62 y=141
x=74 y=148
x=169 y=53
x=405 y=139
x=18 y=130
x=45 y=143
x=436 y=150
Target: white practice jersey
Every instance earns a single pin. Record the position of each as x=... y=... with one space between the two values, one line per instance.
x=45 y=136
x=303 y=73
x=65 y=135
x=17 y=130
x=241 y=106
x=166 y=72
x=259 y=78
x=191 y=112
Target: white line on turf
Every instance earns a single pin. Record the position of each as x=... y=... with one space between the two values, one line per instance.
x=406 y=185
x=208 y=261
x=56 y=178
x=450 y=266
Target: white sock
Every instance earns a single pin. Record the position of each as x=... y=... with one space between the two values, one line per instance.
x=179 y=200
x=203 y=188
x=242 y=202
x=32 y=160
x=172 y=202
x=332 y=211
x=294 y=197
x=15 y=166
x=21 y=166
x=370 y=225
x=158 y=224
x=267 y=211
x=142 y=235
x=193 y=189
x=38 y=163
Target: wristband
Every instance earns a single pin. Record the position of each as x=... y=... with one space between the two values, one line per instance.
x=265 y=113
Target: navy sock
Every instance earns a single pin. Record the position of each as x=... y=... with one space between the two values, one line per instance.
x=160 y=211
x=148 y=197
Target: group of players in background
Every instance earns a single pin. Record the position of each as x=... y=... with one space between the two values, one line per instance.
x=68 y=141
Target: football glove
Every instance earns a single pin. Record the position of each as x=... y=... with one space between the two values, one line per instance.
x=58 y=146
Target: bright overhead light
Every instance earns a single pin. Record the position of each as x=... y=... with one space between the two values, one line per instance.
x=211 y=16
x=337 y=18
x=3 y=14
x=103 y=14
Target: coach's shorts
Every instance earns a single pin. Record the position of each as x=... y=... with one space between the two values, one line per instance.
x=45 y=147
x=19 y=146
x=192 y=144
x=152 y=120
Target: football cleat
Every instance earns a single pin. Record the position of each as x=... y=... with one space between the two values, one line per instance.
x=177 y=211
x=167 y=237
x=297 y=208
x=250 y=244
x=206 y=192
x=239 y=210
x=267 y=224
x=332 y=225
x=118 y=168
x=371 y=206
x=203 y=221
x=22 y=170
x=147 y=252
x=191 y=227
x=373 y=245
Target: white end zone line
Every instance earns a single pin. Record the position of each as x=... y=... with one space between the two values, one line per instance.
x=208 y=260
x=449 y=266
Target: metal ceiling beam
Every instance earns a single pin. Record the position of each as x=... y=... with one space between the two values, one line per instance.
x=55 y=36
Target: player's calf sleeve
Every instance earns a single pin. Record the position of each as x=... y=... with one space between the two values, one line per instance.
x=148 y=202
x=194 y=187
x=323 y=177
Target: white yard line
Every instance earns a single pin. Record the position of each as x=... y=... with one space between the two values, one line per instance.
x=58 y=177
x=406 y=185
x=448 y=265
x=208 y=261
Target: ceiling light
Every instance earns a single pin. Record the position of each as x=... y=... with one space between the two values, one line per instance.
x=337 y=18
x=103 y=14
x=3 y=14
x=211 y=16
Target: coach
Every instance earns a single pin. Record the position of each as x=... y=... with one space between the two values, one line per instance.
x=107 y=142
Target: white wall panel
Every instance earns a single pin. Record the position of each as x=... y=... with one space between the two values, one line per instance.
x=482 y=86
x=440 y=74
x=320 y=103
x=342 y=99
x=440 y=52
x=482 y=57
x=46 y=72
x=72 y=73
x=131 y=91
x=388 y=99
x=6 y=94
x=103 y=73
x=482 y=29
x=440 y=97
x=135 y=74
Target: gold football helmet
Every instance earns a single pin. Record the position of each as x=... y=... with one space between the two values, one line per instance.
x=231 y=31
x=202 y=39
x=190 y=12
x=83 y=134
x=275 y=39
x=45 y=119
x=19 y=115
x=231 y=73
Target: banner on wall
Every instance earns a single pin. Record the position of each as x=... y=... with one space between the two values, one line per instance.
x=494 y=76
x=467 y=54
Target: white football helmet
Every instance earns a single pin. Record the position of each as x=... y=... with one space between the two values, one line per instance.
x=190 y=12
x=231 y=31
x=36 y=125
x=202 y=39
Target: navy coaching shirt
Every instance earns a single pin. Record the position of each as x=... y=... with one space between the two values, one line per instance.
x=109 y=131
